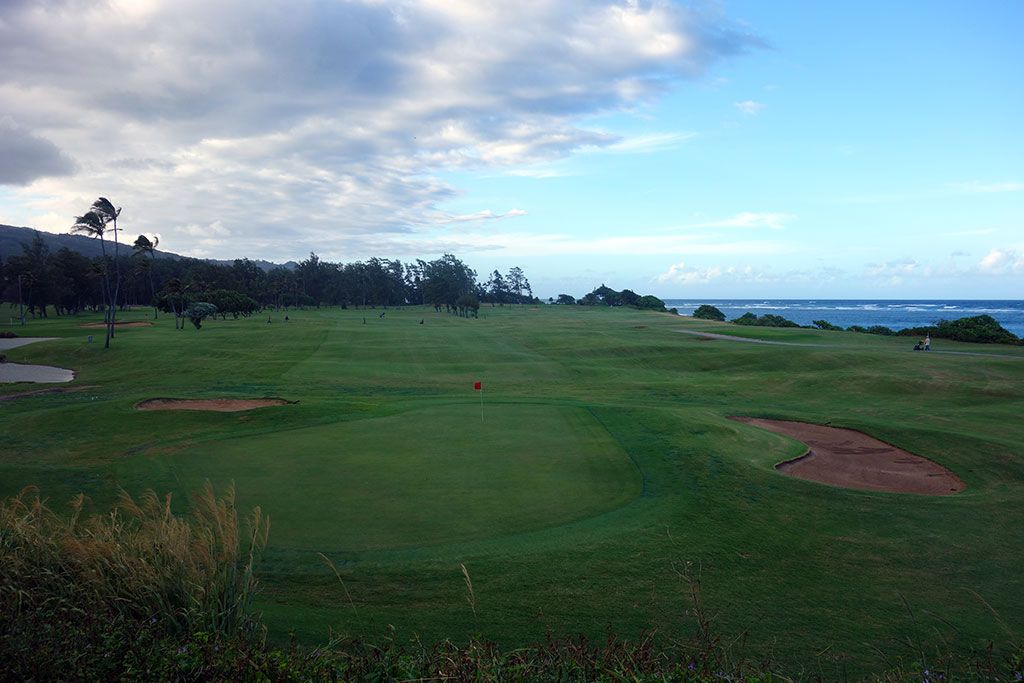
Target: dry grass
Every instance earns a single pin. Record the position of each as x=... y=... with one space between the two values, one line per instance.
x=68 y=581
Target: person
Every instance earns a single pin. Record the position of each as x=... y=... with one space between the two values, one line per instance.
x=928 y=342
x=268 y=319
x=286 y=318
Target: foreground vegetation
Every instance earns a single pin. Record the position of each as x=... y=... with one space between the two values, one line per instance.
x=143 y=594
x=602 y=464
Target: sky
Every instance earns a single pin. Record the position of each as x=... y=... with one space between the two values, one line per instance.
x=710 y=149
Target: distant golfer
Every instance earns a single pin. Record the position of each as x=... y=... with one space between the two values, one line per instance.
x=928 y=342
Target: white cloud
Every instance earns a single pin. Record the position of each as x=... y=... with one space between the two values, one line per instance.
x=1000 y=261
x=314 y=124
x=749 y=219
x=750 y=107
x=680 y=273
x=652 y=142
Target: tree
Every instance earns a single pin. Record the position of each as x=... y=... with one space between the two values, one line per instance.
x=143 y=245
x=467 y=305
x=199 y=311
x=708 y=312
x=94 y=224
x=566 y=300
x=173 y=299
x=446 y=279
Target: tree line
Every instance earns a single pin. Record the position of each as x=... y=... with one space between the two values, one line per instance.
x=38 y=283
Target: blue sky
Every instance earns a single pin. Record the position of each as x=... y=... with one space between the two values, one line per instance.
x=732 y=149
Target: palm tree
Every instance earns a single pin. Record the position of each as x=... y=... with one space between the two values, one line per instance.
x=104 y=208
x=143 y=245
x=95 y=225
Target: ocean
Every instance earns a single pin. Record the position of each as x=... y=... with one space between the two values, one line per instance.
x=896 y=314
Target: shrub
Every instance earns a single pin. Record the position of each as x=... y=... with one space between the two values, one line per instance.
x=767 y=320
x=745 y=319
x=826 y=325
x=650 y=303
x=880 y=329
x=708 y=312
x=980 y=328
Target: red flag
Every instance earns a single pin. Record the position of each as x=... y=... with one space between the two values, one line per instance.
x=478 y=386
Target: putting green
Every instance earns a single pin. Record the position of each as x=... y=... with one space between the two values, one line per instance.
x=426 y=477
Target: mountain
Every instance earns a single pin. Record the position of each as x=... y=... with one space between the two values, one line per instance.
x=11 y=239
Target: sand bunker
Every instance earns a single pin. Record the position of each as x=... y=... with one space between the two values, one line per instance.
x=100 y=326
x=844 y=457
x=15 y=342
x=16 y=372
x=219 y=405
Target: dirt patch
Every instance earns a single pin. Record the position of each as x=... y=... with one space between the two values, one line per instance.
x=218 y=405
x=852 y=459
x=100 y=326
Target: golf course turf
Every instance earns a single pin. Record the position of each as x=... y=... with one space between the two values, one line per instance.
x=597 y=462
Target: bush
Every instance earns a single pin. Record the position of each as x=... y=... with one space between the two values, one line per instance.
x=7 y=335
x=880 y=329
x=826 y=325
x=650 y=303
x=708 y=312
x=981 y=328
x=767 y=320
x=745 y=319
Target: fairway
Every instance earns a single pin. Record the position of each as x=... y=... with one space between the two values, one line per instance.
x=604 y=462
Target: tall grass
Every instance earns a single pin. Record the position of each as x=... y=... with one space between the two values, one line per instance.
x=79 y=585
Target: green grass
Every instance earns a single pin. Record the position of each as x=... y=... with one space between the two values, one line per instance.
x=604 y=460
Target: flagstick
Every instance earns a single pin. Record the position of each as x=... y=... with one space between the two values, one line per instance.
x=481 y=403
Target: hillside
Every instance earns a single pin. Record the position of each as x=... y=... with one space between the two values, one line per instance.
x=11 y=239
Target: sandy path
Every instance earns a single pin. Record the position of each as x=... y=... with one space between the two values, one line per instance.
x=851 y=459
x=6 y=344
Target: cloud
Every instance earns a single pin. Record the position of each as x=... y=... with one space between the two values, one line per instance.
x=749 y=219
x=750 y=107
x=1001 y=261
x=27 y=157
x=339 y=117
x=479 y=216
x=652 y=142
x=680 y=273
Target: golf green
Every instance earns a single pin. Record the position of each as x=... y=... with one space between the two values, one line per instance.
x=433 y=475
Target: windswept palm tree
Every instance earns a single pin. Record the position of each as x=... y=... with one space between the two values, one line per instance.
x=105 y=209
x=143 y=245
x=95 y=225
